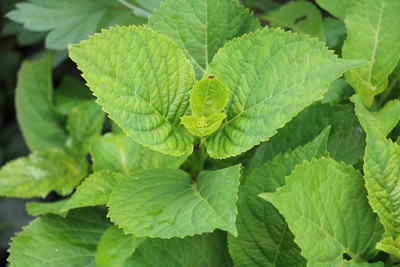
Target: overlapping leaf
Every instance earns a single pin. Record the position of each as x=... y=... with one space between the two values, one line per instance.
x=263 y=235
x=269 y=86
x=144 y=87
x=331 y=218
x=373 y=36
x=167 y=203
x=201 y=27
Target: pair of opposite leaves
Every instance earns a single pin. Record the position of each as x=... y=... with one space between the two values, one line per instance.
x=207 y=100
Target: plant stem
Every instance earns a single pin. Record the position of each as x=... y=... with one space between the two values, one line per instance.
x=198 y=157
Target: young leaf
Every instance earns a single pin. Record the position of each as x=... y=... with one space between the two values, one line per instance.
x=54 y=241
x=201 y=27
x=115 y=247
x=95 y=190
x=326 y=207
x=382 y=176
x=68 y=21
x=33 y=100
x=207 y=99
x=194 y=251
x=119 y=153
x=372 y=35
x=144 y=85
x=167 y=203
x=85 y=122
x=273 y=76
x=263 y=235
x=40 y=173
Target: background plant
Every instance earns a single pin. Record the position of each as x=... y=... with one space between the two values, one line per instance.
x=224 y=143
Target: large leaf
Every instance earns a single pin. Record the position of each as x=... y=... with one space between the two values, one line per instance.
x=69 y=21
x=119 y=153
x=52 y=240
x=142 y=80
x=382 y=178
x=325 y=204
x=263 y=235
x=272 y=76
x=168 y=203
x=40 y=173
x=33 y=99
x=373 y=36
x=199 y=250
x=201 y=27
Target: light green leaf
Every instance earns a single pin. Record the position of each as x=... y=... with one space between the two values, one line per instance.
x=373 y=36
x=265 y=93
x=168 y=203
x=85 y=123
x=382 y=177
x=201 y=27
x=263 y=235
x=40 y=173
x=40 y=208
x=55 y=241
x=144 y=87
x=207 y=99
x=119 y=153
x=384 y=120
x=337 y=8
x=95 y=190
x=194 y=251
x=326 y=207
x=115 y=247
x=33 y=100
x=300 y=16
x=69 y=21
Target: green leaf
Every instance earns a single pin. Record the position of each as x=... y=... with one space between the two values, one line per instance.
x=265 y=93
x=326 y=207
x=382 y=176
x=144 y=87
x=384 y=120
x=119 y=153
x=263 y=235
x=85 y=123
x=115 y=247
x=33 y=100
x=167 y=203
x=55 y=241
x=300 y=16
x=337 y=8
x=40 y=208
x=199 y=250
x=68 y=21
x=207 y=99
x=40 y=173
x=201 y=27
x=95 y=190
x=372 y=36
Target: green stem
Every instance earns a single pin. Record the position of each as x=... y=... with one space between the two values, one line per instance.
x=198 y=157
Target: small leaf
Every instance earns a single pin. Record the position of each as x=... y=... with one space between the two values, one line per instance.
x=40 y=208
x=194 y=251
x=201 y=27
x=372 y=36
x=166 y=203
x=331 y=217
x=263 y=235
x=264 y=93
x=95 y=190
x=40 y=173
x=33 y=99
x=54 y=241
x=382 y=174
x=115 y=247
x=207 y=99
x=119 y=153
x=144 y=87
